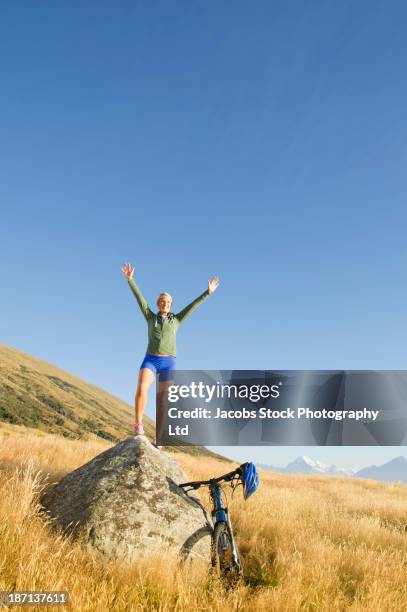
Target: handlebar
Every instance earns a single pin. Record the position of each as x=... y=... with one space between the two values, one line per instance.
x=226 y=477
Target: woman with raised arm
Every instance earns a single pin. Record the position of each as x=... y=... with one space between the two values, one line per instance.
x=161 y=349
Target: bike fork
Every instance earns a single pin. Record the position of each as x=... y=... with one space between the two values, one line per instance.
x=234 y=549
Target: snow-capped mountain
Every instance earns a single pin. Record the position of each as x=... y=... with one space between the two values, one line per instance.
x=392 y=471
x=306 y=465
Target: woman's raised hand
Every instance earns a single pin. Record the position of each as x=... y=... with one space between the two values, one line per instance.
x=213 y=284
x=128 y=270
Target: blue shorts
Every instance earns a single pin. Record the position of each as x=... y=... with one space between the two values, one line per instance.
x=163 y=364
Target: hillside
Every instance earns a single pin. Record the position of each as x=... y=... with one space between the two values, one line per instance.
x=39 y=395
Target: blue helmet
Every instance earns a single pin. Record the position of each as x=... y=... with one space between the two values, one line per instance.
x=250 y=479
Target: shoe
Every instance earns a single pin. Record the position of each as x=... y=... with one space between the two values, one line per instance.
x=138 y=429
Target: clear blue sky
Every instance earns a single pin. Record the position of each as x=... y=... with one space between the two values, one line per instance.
x=265 y=142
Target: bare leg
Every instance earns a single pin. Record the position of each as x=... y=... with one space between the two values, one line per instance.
x=145 y=379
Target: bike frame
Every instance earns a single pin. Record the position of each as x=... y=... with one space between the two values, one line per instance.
x=219 y=513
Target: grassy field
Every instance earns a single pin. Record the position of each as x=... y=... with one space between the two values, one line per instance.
x=308 y=543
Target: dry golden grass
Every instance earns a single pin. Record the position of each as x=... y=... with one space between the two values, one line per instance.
x=307 y=543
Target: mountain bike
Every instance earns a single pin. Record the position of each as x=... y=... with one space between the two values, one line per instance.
x=225 y=561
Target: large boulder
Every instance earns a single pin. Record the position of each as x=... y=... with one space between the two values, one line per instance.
x=126 y=503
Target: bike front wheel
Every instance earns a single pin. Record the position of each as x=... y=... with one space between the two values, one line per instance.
x=224 y=558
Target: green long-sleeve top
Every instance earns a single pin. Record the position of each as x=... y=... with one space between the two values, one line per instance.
x=162 y=330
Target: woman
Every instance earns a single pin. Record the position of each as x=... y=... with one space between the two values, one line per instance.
x=161 y=349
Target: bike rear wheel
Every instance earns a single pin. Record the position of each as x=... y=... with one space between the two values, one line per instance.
x=225 y=562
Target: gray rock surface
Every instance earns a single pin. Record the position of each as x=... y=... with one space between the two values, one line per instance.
x=126 y=503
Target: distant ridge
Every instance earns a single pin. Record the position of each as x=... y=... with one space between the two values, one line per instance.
x=392 y=471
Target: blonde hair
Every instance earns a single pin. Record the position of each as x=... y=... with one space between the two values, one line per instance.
x=163 y=293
